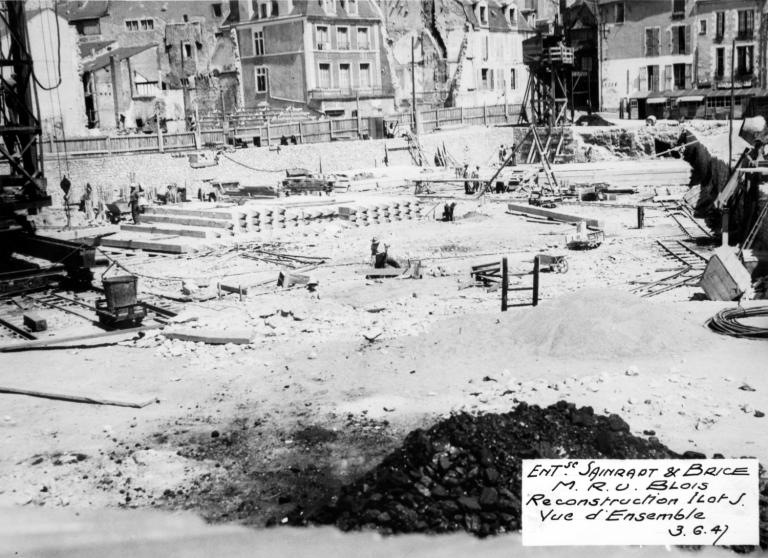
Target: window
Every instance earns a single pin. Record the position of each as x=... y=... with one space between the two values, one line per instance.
x=140 y=24
x=329 y=6
x=324 y=76
x=619 y=12
x=652 y=41
x=363 y=42
x=719 y=26
x=512 y=79
x=746 y=24
x=365 y=76
x=682 y=76
x=187 y=50
x=88 y=27
x=511 y=15
x=342 y=38
x=653 y=78
x=216 y=9
x=702 y=27
x=344 y=76
x=275 y=8
x=678 y=8
x=486 y=79
x=261 y=79
x=744 y=60
x=351 y=7
x=485 y=47
x=483 y=11
x=680 y=39
x=322 y=37
x=719 y=63
x=258 y=43
x=263 y=10
x=185 y=17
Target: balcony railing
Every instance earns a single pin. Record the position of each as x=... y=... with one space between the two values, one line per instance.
x=348 y=93
x=146 y=89
x=745 y=35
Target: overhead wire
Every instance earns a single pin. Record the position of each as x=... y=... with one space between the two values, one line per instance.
x=58 y=54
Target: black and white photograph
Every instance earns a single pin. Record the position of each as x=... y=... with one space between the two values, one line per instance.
x=383 y=278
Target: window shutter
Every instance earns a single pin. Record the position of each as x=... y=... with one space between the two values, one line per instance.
x=688 y=44
x=688 y=75
x=642 y=79
x=674 y=43
x=668 y=77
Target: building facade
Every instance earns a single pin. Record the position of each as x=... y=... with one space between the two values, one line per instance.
x=323 y=54
x=485 y=57
x=676 y=58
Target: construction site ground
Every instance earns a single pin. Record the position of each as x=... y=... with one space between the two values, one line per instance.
x=335 y=378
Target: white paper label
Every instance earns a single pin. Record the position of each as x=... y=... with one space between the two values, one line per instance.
x=640 y=502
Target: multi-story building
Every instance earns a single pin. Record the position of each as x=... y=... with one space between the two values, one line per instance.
x=485 y=54
x=672 y=58
x=646 y=48
x=326 y=54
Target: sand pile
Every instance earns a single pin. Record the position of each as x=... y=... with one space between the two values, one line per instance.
x=600 y=323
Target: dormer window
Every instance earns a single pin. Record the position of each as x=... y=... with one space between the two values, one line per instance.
x=351 y=7
x=482 y=14
x=329 y=6
x=511 y=15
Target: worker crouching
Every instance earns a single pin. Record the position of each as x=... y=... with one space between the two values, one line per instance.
x=380 y=257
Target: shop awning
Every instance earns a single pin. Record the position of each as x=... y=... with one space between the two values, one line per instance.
x=690 y=99
x=656 y=100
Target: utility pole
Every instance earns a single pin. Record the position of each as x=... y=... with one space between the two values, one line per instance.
x=414 y=107
x=730 y=125
x=183 y=79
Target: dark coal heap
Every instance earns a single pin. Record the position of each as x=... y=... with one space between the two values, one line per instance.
x=464 y=473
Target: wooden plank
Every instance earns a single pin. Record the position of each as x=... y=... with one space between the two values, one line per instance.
x=213 y=337
x=188 y=221
x=555 y=215
x=385 y=272
x=166 y=230
x=76 y=398
x=144 y=245
x=42 y=343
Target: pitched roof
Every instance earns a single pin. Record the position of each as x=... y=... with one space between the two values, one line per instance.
x=497 y=21
x=88 y=49
x=83 y=9
x=120 y=53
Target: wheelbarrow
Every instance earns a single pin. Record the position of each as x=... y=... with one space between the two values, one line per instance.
x=556 y=264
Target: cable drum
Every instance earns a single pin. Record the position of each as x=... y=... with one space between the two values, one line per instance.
x=727 y=322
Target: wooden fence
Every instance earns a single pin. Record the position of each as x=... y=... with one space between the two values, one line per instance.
x=314 y=131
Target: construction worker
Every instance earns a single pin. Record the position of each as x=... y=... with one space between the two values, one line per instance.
x=475 y=182
x=465 y=175
x=88 y=202
x=379 y=255
x=134 y=203
x=502 y=154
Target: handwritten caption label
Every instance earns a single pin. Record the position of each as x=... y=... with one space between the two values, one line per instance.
x=640 y=502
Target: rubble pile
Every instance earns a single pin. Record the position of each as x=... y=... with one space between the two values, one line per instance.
x=464 y=473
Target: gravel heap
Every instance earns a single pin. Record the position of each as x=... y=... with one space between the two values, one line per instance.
x=464 y=473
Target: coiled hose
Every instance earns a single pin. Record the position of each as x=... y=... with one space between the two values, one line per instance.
x=727 y=322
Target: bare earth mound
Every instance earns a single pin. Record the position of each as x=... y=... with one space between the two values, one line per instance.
x=603 y=324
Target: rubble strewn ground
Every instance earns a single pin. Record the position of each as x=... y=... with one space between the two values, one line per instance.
x=335 y=379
